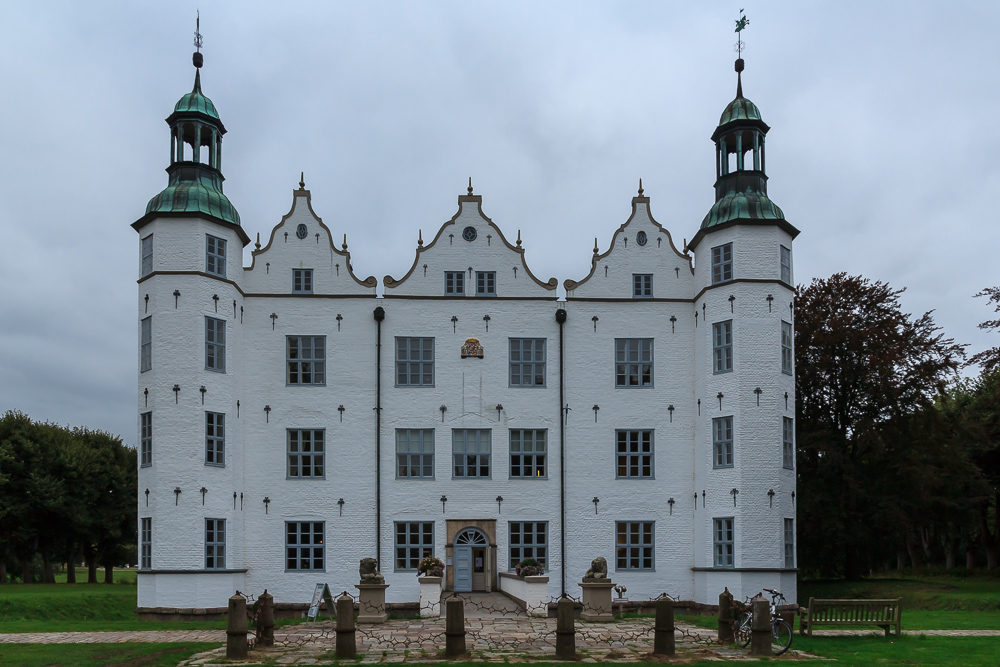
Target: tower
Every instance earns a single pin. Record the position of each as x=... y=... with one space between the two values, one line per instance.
x=744 y=379
x=189 y=380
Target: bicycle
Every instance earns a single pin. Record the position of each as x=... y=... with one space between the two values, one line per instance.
x=781 y=631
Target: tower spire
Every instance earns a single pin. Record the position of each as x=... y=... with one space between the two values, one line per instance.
x=741 y=25
x=197 y=58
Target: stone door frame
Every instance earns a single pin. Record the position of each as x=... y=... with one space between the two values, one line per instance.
x=487 y=527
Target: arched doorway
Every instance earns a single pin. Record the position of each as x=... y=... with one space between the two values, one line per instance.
x=472 y=561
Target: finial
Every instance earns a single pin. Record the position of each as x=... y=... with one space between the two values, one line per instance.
x=420 y=238
x=470 y=186
x=302 y=180
x=345 y=241
x=640 y=187
x=257 y=245
x=197 y=58
x=519 y=238
x=595 y=245
x=741 y=25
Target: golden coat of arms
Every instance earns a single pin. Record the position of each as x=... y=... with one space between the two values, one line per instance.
x=472 y=348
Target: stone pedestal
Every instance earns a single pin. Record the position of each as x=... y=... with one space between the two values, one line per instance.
x=597 y=600
x=430 y=596
x=371 y=603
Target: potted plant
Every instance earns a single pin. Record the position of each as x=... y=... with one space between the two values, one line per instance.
x=528 y=567
x=431 y=566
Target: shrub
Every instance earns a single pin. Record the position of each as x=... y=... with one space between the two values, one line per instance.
x=431 y=566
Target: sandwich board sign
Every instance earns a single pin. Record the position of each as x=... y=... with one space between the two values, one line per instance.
x=322 y=592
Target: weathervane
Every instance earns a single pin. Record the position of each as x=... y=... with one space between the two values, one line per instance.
x=197 y=31
x=741 y=24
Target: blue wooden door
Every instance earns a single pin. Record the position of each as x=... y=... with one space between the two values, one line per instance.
x=463 y=569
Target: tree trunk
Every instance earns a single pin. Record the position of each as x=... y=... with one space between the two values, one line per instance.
x=71 y=572
x=970 y=559
x=109 y=574
x=25 y=571
x=987 y=538
x=911 y=548
x=3 y=572
x=91 y=559
x=48 y=576
x=900 y=560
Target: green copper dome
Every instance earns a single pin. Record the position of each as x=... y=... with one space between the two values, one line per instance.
x=195 y=101
x=740 y=109
x=747 y=205
x=202 y=194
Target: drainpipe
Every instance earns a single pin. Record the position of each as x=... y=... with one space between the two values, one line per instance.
x=379 y=316
x=561 y=319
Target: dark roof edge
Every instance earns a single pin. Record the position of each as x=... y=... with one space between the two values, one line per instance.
x=782 y=223
x=149 y=217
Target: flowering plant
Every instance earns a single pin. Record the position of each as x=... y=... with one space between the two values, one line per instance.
x=431 y=566
x=528 y=567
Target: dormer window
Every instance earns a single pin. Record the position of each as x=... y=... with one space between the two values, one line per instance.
x=302 y=281
x=486 y=283
x=722 y=263
x=454 y=283
x=642 y=285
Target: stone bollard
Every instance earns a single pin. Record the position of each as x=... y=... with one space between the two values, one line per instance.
x=565 y=630
x=347 y=646
x=454 y=631
x=726 y=617
x=663 y=637
x=266 y=619
x=760 y=635
x=236 y=630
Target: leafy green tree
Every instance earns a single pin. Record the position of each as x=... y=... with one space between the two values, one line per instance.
x=989 y=359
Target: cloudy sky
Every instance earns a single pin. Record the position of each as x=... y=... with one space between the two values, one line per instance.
x=883 y=150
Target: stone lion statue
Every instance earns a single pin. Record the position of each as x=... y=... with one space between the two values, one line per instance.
x=598 y=569
x=369 y=573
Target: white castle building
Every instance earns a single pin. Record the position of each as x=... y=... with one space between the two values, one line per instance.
x=292 y=422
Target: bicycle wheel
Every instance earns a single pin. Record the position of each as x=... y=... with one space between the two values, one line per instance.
x=742 y=629
x=781 y=636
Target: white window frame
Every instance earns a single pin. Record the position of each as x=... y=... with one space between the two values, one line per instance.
x=215 y=345
x=475 y=463
x=145 y=439
x=633 y=551
x=528 y=455
x=527 y=358
x=722 y=347
x=302 y=281
x=303 y=463
x=215 y=439
x=417 y=544
x=787 y=356
x=486 y=283
x=634 y=451
x=723 y=542
x=642 y=285
x=215 y=256
x=414 y=453
x=305 y=361
x=424 y=363
x=146 y=543
x=789 y=535
x=722 y=263
x=215 y=544
x=786 y=264
x=723 y=455
x=146 y=344
x=305 y=556
x=788 y=443
x=454 y=283
x=146 y=255
x=527 y=539
x=633 y=362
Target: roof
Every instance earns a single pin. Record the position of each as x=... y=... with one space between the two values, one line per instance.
x=740 y=109
x=200 y=195
x=747 y=205
x=196 y=102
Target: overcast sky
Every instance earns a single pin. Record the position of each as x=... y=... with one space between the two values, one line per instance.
x=883 y=150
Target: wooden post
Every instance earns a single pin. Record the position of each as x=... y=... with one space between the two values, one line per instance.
x=726 y=617
x=663 y=638
x=454 y=631
x=236 y=631
x=347 y=646
x=565 y=630
x=760 y=635
x=266 y=619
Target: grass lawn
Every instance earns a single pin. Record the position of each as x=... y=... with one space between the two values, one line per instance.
x=97 y=655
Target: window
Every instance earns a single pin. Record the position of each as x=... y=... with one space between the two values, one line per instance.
x=146 y=344
x=789 y=542
x=722 y=347
x=215 y=544
x=528 y=539
x=414 y=542
x=302 y=281
x=635 y=454
x=642 y=285
x=786 y=348
x=722 y=263
x=215 y=256
x=215 y=439
x=215 y=345
x=634 y=362
x=786 y=265
x=470 y=450
x=414 y=362
x=415 y=453
x=634 y=545
x=305 y=453
x=787 y=442
x=304 y=549
x=306 y=360
x=486 y=283
x=722 y=442
x=723 y=542
x=146 y=544
x=527 y=362
x=527 y=453
x=146 y=439
x=454 y=282
x=147 y=255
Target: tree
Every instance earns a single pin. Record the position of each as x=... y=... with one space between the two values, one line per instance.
x=865 y=371
x=989 y=359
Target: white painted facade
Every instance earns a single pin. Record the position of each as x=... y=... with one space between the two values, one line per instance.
x=360 y=408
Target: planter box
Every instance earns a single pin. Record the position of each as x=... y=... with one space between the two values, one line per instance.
x=430 y=596
x=531 y=593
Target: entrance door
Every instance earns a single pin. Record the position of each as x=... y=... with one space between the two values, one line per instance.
x=479 y=569
x=463 y=569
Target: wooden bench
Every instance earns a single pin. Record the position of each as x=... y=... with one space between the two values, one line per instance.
x=882 y=613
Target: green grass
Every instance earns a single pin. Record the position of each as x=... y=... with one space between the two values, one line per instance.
x=98 y=655
x=941 y=592
x=907 y=650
